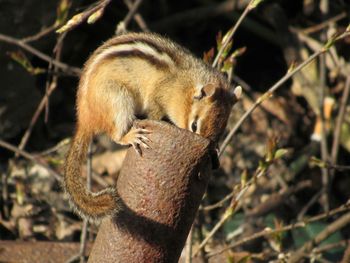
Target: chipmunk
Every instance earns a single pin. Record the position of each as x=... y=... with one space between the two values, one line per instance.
x=140 y=74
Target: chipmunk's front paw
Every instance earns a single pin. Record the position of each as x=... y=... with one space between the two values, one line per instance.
x=137 y=138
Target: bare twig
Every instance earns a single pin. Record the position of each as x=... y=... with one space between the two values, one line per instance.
x=5 y=192
x=324 y=6
x=55 y=148
x=199 y=231
x=45 y=99
x=194 y=15
x=218 y=204
x=91 y=15
x=138 y=18
x=265 y=96
x=330 y=229
x=40 y=34
x=122 y=26
x=64 y=67
x=30 y=157
x=324 y=24
x=346 y=256
x=228 y=213
x=234 y=205
x=232 y=31
x=263 y=208
x=327 y=247
x=324 y=147
x=276 y=199
x=299 y=224
x=313 y=200
x=277 y=85
x=339 y=122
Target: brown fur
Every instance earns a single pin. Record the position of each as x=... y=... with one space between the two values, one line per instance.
x=139 y=74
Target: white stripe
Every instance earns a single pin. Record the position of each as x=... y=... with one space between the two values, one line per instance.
x=147 y=50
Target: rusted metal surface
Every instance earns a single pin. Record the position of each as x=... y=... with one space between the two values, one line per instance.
x=160 y=193
x=38 y=252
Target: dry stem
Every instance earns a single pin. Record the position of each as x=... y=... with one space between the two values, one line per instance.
x=330 y=229
x=64 y=67
x=298 y=224
x=30 y=157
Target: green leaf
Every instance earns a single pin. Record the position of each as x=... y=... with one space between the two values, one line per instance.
x=219 y=40
x=72 y=22
x=227 y=67
x=208 y=56
x=244 y=259
x=317 y=162
x=62 y=11
x=270 y=222
x=238 y=52
x=22 y=59
x=95 y=16
x=232 y=224
x=330 y=42
x=302 y=235
x=345 y=135
x=280 y=153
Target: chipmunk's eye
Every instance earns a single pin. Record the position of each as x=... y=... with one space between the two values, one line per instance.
x=194 y=126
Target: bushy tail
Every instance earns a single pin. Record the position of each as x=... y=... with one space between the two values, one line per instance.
x=93 y=206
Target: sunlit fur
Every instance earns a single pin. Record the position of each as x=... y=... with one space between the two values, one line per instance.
x=139 y=74
x=212 y=112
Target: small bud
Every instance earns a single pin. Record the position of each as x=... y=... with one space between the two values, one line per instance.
x=238 y=92
x=95 y=16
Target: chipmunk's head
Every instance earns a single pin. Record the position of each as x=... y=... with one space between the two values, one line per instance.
x=211 y=109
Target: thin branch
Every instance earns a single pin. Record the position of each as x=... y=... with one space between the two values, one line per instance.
x=91 y=15
x=330 y=229
x=339 y=122
x=232 y=32
x=54 y=148
x=138 y=18
x=44 y=101
x=199 y=231
x=277 y=85
x=30 y=157
x=298 y=224
x=263 y=208
x=217 y=204
x=228 y=213
x=346 y=256
x=195 y=14
x=64 y=67
x=324 y=7
x=122 y=26
x=326 y=247
x=276 y=199
x=40 y=34
x=324 y=24
x=265 y=96
x=310 y=203
x=234 y=205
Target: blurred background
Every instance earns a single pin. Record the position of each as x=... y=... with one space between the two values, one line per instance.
x=287 y=163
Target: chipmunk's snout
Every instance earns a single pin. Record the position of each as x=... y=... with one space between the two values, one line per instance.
x=210 y=111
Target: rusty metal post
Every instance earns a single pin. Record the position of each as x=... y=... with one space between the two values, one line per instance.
x=160 y=193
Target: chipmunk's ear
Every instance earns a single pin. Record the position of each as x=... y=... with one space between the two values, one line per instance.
x=237 y=92
x=206 y=91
